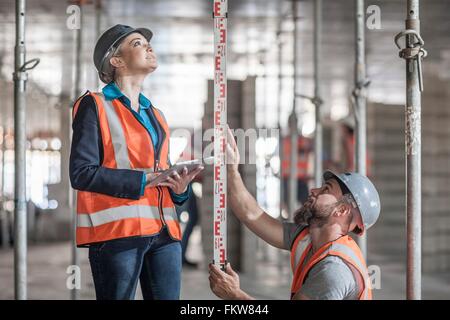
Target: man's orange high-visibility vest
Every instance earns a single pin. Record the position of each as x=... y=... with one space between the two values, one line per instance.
x=344 y=247
x=126 y=145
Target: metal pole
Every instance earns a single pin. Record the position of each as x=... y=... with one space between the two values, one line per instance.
x=74 y=294
x=281 y=254
x=220 y=14
x=413 y=54
x=4 y=213
x=20 y=213
x=20 y=209
x=279 y=103
x=78 y=55
x=318 y=141
x=2 y=124
x=98 y=27
x=413 y=162
x=293 y=123
x=360 y=102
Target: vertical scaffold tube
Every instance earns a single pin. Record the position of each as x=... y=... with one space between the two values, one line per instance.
x=360 y=103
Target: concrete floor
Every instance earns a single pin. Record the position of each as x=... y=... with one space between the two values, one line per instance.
x=47 y=265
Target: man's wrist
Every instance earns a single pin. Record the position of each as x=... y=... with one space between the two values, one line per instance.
x=233 y=173
x=241 y=295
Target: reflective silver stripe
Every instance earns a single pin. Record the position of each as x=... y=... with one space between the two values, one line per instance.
x=170 y=214
x=117 y=135
x=116 y=214
x=366 y=291
x=349 y=253
x=354 y=258
x=301 y=247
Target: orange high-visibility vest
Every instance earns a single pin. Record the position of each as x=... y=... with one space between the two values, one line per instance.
x=303 y=147
x=344 y=247
x=126 y=145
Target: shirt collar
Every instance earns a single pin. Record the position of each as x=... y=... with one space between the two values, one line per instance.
x=111 y=91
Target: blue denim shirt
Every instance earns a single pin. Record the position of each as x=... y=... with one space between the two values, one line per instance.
x=112 y=91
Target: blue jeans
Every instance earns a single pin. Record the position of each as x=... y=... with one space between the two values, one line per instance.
x=118 y=264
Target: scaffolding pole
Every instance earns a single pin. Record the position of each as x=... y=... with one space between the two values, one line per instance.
x=74 y=294
x=279 y=34
x=3 y=212
x=359 y=98
x=20 y=208
x=413 y=54
x=318 y=139
x=98 y=27
x=279 y=108
x=293 y=123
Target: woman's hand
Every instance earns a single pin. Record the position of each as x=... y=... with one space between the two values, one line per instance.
x=178 y=183
x=150 y=176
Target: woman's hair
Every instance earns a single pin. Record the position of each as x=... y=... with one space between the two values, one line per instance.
x=109 y=71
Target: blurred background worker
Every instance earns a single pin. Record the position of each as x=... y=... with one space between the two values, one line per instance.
x=304 y=149
x=347 y=162
x=120 y=141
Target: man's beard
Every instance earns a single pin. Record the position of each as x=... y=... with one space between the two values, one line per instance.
x=303 y=215
x=309 y=212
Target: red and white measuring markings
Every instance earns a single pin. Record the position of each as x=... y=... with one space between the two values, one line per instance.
x=220 y=132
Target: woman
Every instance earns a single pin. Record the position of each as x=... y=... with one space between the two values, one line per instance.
x=120 y=141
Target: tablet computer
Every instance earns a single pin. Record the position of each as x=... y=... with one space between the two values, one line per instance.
x=178 y=167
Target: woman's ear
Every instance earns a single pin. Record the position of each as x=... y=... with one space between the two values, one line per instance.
x=116 y=62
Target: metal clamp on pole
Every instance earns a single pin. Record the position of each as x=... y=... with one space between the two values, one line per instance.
x=21 y=74
x=360 y=90
x=33 y=62
x=416 y=51
x=317 y=101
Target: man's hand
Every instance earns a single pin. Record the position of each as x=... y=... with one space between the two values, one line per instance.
x=225 y=285
x=178 y=183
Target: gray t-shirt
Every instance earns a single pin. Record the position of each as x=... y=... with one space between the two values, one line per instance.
x=329 y=279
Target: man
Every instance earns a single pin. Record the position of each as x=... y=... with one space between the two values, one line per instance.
x=326 y=262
